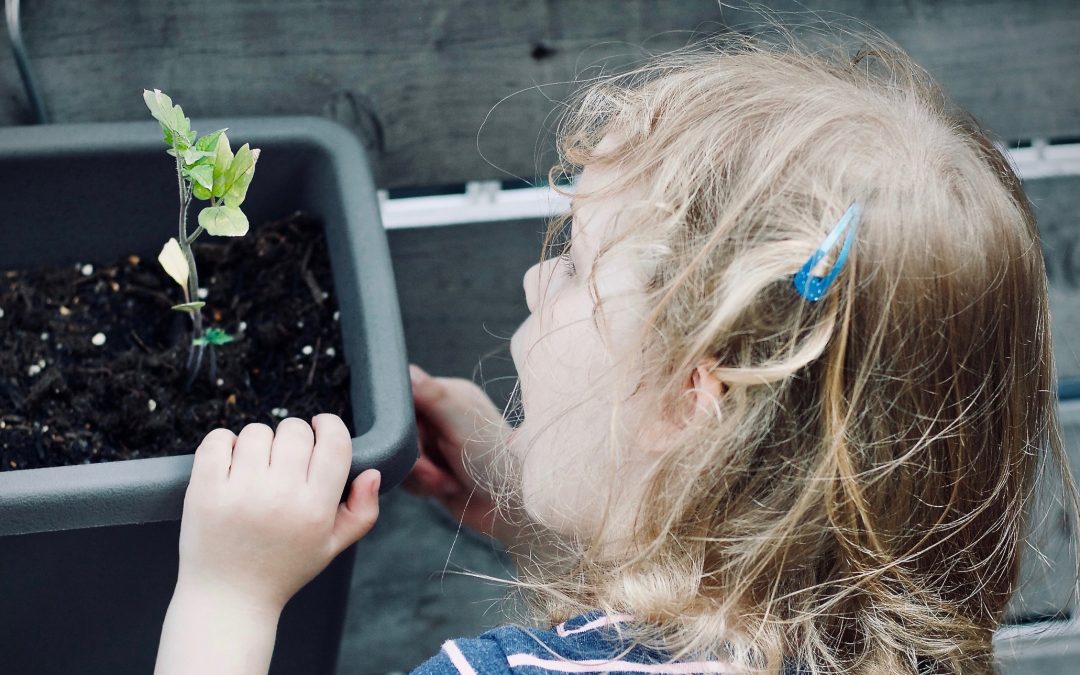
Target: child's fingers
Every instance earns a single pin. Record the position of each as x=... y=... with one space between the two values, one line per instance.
x=452 y=407
x=251 y=453
x=332 y=457
x=357 y=515
x=213 y=457
x=425 y=387
x=429 y=479
x=291 y=451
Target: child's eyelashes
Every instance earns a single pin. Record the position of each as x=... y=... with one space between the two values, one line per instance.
x=568 y=263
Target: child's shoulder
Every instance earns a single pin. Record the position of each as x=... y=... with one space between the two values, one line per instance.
x=587 y=643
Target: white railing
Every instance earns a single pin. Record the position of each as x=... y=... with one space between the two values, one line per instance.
x=486 y=201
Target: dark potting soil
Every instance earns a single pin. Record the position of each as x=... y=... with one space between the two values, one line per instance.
x=66 y=397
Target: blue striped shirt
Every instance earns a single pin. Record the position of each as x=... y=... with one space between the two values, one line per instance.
x=585 y=644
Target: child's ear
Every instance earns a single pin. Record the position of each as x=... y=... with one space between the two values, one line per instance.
x=701 y=388
x=705 y=387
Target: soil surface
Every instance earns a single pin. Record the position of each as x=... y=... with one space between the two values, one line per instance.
x=93 y=360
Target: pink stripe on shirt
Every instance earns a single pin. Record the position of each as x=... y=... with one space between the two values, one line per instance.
x=457 y=658
x=517 y=660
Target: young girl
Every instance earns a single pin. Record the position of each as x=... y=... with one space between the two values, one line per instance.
x=785 y=394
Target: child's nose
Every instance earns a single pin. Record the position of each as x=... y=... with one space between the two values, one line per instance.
x=531 y=282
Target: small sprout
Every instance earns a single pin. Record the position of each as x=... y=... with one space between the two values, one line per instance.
x=207 y=170
x=330 y=351
x=213 y=336
x=151 y=405
x=306 y=351
x=87 y=270
x=98 y=339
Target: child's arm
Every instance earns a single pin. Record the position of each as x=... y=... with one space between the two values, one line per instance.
x=261 y=519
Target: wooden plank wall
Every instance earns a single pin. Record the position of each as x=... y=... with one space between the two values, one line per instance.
x=448 y=91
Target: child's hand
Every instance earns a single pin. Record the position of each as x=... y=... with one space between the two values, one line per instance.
x=262 y=514
x=456 y=421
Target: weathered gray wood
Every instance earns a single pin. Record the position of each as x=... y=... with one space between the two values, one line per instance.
x=461 y=295
x=1057 y=208
x=418 y=78
x=1053 y=649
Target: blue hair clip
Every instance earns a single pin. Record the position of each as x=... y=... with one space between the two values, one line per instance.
x=812 y=287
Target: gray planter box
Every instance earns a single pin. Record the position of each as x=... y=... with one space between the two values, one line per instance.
x=88 y=554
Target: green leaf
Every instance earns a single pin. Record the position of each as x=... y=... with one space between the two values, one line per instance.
x=177 y=128
x=193 y=156
x=222 y=159
x=238 y=178
x=202 y=174
x=213 y=336
x=199 y=192
x=208 y=143
x=190 y=306
x=224 y=221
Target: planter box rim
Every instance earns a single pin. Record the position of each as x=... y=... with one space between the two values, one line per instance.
x=151 y=489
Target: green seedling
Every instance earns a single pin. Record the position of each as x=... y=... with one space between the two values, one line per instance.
x=208 y=170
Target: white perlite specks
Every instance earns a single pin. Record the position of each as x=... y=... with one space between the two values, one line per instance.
x=280 y=412
x=87 y=270
x=306 y=351
x=151 y=405
x=203 y=293
x=34 y=369
x=330 y=351
x=98 y=339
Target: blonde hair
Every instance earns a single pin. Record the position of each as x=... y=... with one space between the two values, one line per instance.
x=855 y=501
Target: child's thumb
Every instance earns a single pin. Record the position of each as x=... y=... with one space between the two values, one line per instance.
x=357 y=514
